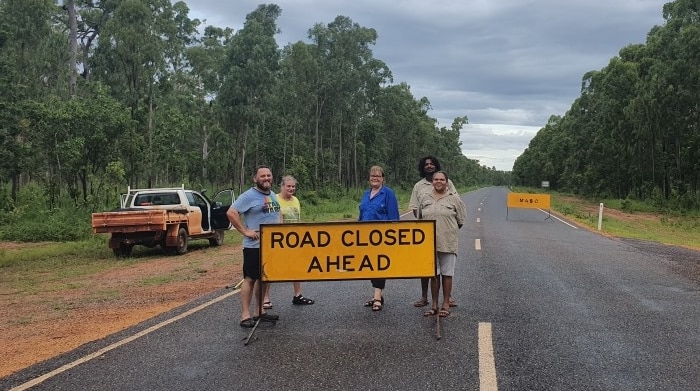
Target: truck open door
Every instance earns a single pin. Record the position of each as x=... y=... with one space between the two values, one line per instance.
x=219 y=206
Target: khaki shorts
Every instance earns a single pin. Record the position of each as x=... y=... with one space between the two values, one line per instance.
x=446 y=264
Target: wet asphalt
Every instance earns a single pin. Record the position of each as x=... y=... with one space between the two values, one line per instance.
x=569 y=310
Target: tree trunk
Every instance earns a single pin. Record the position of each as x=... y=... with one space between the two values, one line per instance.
x=355 y=175
x=340 y=151
x=205 y=154
x=85 y=46
x=73 y=55
x=242 y=155
x=316 y=139
x=150 y=136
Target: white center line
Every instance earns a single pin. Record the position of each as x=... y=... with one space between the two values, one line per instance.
x=477 y=244
x=487 y=364
x=478 y=219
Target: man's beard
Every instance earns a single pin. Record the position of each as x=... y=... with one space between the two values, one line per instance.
x=263 y=186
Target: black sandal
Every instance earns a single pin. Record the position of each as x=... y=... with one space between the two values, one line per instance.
x=266 y=317
x=301 y=300
x=247 y=323
x=370 y=302
x=377 y=305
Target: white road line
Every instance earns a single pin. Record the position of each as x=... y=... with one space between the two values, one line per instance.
x=117 y=344
x=478 y=219
x=555 y=217
x=487 y=364
x=477 y=244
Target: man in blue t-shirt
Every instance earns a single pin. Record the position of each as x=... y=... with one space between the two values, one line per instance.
x=257 y=205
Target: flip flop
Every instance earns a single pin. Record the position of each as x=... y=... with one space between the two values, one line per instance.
x=301 y=300
x=422 y=302
x=267 y=305
x=267 y=317
x=247 y=323
x=431 y=312
x=444 y=313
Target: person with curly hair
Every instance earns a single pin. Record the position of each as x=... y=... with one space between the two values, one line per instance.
x=427 y=166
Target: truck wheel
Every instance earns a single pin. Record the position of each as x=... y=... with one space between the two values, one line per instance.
x=217 y=240
x=181 y=241
x=124 y=250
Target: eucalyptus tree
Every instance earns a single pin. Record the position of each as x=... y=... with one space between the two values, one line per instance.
x=76 y=138
x=91 y=18
x=73 y=42
x=205 y=60
x=649 y=113
x=348 y=80
x=139 y=47
x=250 y=71
x=394 y=118
x=398 y=132
x=610 y=141
x=28 y=39
x=462 y=169
x=448 y=146
x=679 y=41
x=294 y=101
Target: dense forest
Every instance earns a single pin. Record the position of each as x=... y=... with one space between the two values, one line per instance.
x=98 y=95
x=634 y=132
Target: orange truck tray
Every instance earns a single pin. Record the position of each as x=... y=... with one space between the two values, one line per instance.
x=134 y=221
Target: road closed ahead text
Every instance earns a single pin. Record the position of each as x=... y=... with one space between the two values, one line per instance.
x=347 y=251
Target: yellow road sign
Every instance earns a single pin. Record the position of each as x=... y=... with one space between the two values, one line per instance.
x=347 y=250
x=526 y=200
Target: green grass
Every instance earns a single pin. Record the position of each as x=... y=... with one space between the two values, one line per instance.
x=24 y=267
x=327 y=210
x=631 y=219
x=30 y=268
x=158 y=280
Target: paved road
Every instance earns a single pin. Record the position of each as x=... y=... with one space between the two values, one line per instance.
x=561 y=308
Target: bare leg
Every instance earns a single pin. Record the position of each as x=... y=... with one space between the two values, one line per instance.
x=377 y=294
x=246 y=296
x=423 y=301
x=424 y=287
x=446 y=291
x=297 y=288
x=266 y=293
x=256 y=293
x=435 y=290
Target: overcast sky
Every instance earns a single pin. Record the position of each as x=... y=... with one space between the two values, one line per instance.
x=506 y=64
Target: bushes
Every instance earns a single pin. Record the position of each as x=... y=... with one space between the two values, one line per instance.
x=57 y=225
x=29 y=220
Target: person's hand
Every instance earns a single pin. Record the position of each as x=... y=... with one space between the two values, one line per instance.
x=255 y=235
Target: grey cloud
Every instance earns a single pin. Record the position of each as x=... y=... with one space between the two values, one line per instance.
x=500 y=62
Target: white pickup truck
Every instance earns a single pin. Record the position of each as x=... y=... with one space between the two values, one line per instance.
x=169 y=217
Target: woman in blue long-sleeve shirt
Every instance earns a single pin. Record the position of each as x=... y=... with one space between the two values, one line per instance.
x=378 y=204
